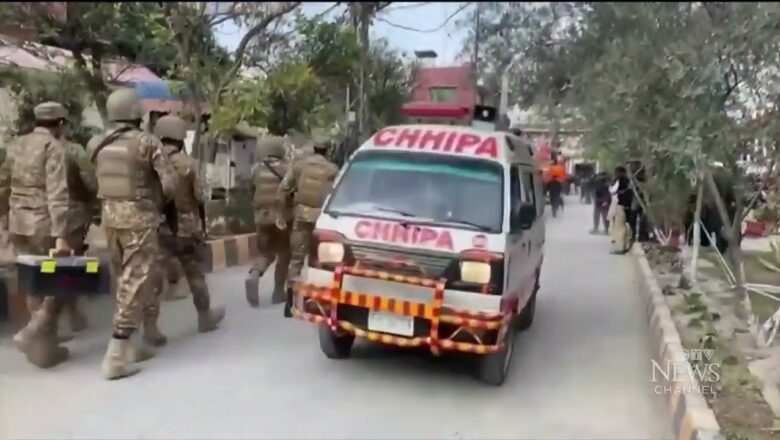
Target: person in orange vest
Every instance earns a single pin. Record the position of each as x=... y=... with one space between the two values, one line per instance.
x=555 y=177
x=558 y=171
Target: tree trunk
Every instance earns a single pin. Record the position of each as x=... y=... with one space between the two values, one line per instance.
x=197 y=145
x=734 y=255
x=697 y=229
x=94 y=82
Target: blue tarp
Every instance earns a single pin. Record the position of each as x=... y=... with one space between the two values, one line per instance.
x=154 y=90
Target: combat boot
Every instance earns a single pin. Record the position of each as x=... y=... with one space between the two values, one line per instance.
x=152 y=334
x=117 y=362
x=288 y=303
x=252 y=284
x=140 y=352
x=209 y=319
x=22 y=338
x=38 y=341
x=44 y=351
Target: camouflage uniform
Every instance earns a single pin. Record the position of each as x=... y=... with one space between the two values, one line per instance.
x=82 y=188
x=34 y=193
x=134 y=176
x=307 y=182
x=273 y=243
x=187 y=244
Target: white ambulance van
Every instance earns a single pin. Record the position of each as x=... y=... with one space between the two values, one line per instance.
x=433 y=235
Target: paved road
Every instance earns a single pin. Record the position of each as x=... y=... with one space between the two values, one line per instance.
x=582 y=371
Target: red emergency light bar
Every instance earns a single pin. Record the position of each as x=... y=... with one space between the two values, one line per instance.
x=435 y=110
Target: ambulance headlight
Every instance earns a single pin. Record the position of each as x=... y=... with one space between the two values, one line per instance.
x=475 y=272
x=330 y=252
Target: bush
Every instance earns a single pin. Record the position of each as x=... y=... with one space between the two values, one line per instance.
x=33 y=88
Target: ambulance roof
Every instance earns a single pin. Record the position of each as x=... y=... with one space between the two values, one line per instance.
x=453 y=140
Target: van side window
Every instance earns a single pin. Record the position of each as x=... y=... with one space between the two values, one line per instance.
x=528 y=188
x=515 y=191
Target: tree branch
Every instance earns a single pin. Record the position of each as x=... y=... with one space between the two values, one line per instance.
x=253 y=32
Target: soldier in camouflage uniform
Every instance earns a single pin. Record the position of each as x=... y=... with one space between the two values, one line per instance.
x=133 y=176
x=34 y=192
x=187 y=237
x=82 y=188
x=170 y=267
x=273 y=243
x=307 y=182
x=173 y=271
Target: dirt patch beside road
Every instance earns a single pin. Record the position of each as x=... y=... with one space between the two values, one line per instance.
x=706 y=319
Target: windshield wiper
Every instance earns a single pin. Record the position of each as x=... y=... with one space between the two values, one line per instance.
x=394 y=211
x=482 y=228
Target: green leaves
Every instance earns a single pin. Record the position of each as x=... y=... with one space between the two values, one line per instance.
x=32 y=88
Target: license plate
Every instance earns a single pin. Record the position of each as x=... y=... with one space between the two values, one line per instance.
x=390 y=323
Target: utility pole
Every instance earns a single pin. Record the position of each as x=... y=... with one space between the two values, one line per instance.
x=360 y=14
x=365 y=17
x=475 y=62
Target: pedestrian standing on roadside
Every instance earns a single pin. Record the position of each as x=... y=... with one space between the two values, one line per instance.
x=602 y=201
x=621 y=228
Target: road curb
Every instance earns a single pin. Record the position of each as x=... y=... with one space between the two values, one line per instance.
x=230 y=251
x=692 y=417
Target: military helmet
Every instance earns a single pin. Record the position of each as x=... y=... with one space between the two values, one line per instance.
x=272 y=146
x=124 y=105
x=170 y=127
x=49 y=111
x=321 y=141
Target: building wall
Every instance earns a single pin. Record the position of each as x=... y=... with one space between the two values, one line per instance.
x=459 y=77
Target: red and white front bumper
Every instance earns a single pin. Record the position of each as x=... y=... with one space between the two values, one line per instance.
x=444 y=319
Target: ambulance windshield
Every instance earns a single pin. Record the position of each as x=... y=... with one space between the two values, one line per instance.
x=459 y=192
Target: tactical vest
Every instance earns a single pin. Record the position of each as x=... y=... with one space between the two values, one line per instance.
x=315 y=181
x=30 y=181
x=184 y=197
x=267 y=182
x=122 y=173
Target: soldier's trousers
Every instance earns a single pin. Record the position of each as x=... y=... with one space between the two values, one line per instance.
x=77 y=241
x=189 y=253
x=133 y=255
x=162 y=269
x=45 y=311
x=300 y=241
x=273 y=245
x=173 y=270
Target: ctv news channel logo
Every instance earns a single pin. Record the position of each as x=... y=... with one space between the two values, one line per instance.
x=676 y=377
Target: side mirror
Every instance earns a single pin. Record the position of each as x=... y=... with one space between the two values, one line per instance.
x=524 y=218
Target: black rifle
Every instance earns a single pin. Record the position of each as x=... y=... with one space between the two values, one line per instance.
x=171 y=218
x=202 y=215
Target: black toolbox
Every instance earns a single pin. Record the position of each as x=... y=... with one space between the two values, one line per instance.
x=61 y=276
